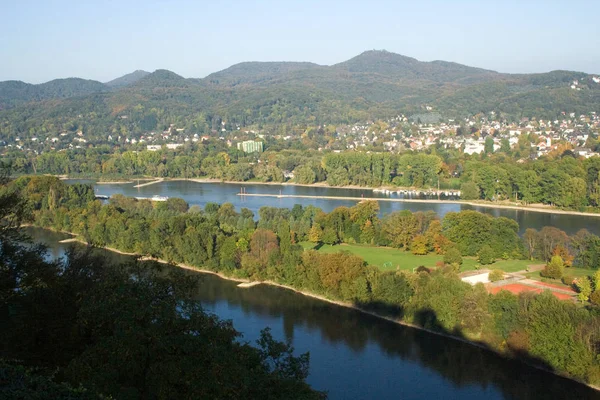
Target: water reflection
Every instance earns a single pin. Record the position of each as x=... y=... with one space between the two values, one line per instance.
x=201 y=193
x=357 y=356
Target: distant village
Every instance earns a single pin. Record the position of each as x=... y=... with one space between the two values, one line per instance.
x=397 y=134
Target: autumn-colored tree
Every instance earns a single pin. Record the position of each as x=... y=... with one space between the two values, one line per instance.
x=400 y=228
x=419 y=245
x=564 y=253
x=315 y=234
x=262 y=244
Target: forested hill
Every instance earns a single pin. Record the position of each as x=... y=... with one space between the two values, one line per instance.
x=128 y=79
x=374 y=84
x=15 y=93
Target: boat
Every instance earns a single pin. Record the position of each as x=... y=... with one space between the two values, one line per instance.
x=156 y=197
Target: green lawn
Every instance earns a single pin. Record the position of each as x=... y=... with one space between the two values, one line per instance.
x=388 y=258
x=570 y=271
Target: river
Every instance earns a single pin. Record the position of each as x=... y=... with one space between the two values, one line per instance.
x=356 y=356
x=201 y=193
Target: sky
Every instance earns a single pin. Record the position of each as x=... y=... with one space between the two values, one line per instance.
x=102 y=40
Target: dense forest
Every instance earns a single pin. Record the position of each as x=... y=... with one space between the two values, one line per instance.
x=558 y=335
x=561 y=180
x=374 y=84
x=82 y=328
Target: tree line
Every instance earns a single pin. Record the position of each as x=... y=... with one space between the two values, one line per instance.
x=85 y=328
x=563 y=181
x=559 y=335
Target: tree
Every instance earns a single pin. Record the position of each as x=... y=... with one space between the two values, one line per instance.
x=530 y=237
x=400 y=227
x=584 y=287
x=315 y=234
x=419 y=245
x=263 y=244
x=453 y=256
x=469 y=191
x=488 y=145
x=564 y=253
x=486 y=255
x=554 y=269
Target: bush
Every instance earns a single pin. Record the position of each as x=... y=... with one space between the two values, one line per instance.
x=554 y=269
x=595 y=297
x=453 y=256
x=422 y=268
x=486 y=255
x=496 y=275
x=568 y=280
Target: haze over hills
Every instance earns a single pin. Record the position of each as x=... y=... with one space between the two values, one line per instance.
x=374 y=84
x=128 y=79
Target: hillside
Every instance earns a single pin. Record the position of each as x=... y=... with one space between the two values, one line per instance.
x=374 y=84
x=15 y=93
x=127 y=79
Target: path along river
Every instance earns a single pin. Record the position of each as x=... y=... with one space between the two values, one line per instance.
x=356 y=356
x=201 y=193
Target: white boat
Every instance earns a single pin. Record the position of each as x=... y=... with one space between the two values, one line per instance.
x=159 y=198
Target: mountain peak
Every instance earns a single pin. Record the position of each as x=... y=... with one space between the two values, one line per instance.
x=162 y=77
x=127 y=79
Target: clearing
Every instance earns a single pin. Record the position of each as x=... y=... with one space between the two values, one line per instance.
x=388 y=258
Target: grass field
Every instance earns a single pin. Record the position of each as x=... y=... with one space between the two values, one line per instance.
x=571 y=271
x=388 y=258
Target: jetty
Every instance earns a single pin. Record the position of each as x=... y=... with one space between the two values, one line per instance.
x=357 y=199
x=153 y=198
x=139 y=185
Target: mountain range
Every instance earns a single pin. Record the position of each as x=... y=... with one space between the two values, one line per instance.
x=374 y=84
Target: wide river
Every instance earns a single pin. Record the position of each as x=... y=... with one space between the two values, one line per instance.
x=356 y=356
x=201 y=193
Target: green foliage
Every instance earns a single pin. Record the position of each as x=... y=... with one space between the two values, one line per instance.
x=496 y=275
x=453 y=256
x=469 y=191
x=584 y=287
x=224 y=240
x=554 y=269
x=486 y=255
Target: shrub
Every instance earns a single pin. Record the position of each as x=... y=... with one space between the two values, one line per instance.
x=496 y=275
x=453 y=256
x=568 y=280
x=584 y=286
x=486 y=255
x=595 y=297
x=554 y=269
x=422 y=268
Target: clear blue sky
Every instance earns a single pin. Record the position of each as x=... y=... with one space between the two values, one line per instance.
x=47 y=39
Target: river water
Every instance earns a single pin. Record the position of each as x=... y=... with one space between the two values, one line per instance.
x=356 y=356
x=201 y=193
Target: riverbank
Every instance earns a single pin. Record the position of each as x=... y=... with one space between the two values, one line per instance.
x=432 y=201
x=472 y=203
x=249 y=283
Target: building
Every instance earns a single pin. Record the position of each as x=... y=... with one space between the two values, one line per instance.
x=250 y=146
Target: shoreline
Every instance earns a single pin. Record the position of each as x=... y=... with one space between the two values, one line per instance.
x=249 y=283
x=548 y=210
